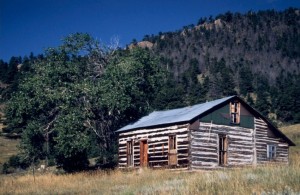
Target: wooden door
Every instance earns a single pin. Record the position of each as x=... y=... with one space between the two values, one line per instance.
x=129 y=154
x=172 y=155
x=144 y=153
x=223 y=145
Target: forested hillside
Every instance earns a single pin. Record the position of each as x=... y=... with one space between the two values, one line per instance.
x=67 y=103
x=255 y=55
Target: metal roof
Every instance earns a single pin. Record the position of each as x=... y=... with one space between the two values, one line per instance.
x=174 y=116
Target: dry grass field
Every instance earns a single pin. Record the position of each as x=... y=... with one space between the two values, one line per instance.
x=8 y=147
x=293 y=132
x=271 y=179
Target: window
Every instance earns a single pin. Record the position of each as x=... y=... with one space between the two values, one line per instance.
x=129 y=154
x=235 y=112
x=271 y=152
x=172 y=142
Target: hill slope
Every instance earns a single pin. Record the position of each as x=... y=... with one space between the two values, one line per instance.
x=267 y=41
x=255 y=55
x=293 y=132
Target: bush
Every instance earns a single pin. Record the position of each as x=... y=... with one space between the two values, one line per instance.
x=51 y=162
x=5 y=168
x=17 y=161
x=108 y=161
x=76 y=162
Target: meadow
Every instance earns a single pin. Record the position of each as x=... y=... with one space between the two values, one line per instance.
x=268 y=179
x=8 y=147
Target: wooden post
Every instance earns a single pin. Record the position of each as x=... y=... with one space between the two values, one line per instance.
x=47 y=148
x=33 y=171
x=254 y=147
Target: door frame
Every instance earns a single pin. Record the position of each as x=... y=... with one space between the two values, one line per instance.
x=143 y=153
x=130 y=154
x=222 y=149
x=172 y=150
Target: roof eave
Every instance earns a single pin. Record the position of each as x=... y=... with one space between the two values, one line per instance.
x=149 y=127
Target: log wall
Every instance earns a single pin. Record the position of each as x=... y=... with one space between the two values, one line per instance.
x=263 y=138
x=198 y=145
x=158 y=140
x=205 y=146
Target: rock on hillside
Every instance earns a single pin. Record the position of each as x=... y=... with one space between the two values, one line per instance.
x=142 y=44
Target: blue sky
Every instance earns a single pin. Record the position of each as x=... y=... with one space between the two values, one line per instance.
x=33 y=25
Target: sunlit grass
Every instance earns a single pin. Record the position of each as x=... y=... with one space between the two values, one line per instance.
x=269 y=179
x=8 y=147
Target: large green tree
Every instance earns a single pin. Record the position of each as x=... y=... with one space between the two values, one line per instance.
x=78 y=93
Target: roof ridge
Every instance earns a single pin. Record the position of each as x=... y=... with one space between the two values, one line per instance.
x=195 y=104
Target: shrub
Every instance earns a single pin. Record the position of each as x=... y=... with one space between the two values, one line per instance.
x=16 y=161
x=5 y=168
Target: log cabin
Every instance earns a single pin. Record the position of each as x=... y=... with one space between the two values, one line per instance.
x=222 y=133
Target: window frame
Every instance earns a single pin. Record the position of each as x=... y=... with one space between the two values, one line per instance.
x=235 y=112
x=172 y=142
x=271 y=151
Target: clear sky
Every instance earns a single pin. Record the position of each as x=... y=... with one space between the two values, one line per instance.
x=33 y=25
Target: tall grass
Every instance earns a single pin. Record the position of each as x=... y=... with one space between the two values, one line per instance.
x=271 y=179
x=8 y=147
x=268 y=179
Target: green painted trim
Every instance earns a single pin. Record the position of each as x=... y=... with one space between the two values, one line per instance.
x=221 y=116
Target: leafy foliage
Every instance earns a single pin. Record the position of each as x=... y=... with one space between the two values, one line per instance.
x=67 y=99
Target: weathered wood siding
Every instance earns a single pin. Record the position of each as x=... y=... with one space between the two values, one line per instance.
x=245 y=146
x=158 y=140
x=263 y=137
x=197 y=144
x=205 y=146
